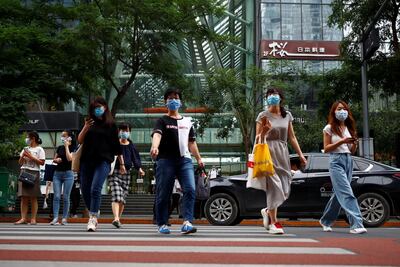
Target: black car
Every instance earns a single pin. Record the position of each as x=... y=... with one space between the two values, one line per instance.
x=376 y=186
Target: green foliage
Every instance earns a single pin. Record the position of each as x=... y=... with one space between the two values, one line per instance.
x=384 y=126
x=12 y=142
x=136 y=36
x=308 y=128
x=227 y=91
x=358 y=14
x=39 y=60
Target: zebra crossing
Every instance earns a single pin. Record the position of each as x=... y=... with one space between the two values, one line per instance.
x=141 y=245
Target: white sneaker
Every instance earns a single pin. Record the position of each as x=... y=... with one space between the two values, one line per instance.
x=92 y=224
x=264 y=213
x=276 y=229
x=64 y=221
x=54 y=222
x=358 y=230
x=325 y=228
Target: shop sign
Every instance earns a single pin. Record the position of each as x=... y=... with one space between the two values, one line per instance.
x=317 y=50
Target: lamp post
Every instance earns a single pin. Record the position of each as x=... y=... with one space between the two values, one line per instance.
x=369 y=43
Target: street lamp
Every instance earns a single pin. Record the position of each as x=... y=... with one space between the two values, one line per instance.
x=369 y=43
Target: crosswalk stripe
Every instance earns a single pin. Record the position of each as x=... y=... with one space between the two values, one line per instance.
x=184 y=249
x=122 y=264
x=157 y=238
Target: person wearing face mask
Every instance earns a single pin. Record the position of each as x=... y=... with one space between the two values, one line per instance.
x=99 y=138
x=63 y=178
x=340 y=140
x=173 y=143
x=275 y=126
x=31 y=157
x=119 y=183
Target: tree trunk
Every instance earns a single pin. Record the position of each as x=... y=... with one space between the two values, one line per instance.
x=395 y=40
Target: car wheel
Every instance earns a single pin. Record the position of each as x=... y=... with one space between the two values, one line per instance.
x=221 y=209
x=374 y=209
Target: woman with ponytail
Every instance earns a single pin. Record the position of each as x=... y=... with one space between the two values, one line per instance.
x=31 y=157
x=275 y=126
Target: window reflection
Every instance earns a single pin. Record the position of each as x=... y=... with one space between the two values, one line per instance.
x=291 y=22
x=312 y=25
x=330 y=33
x=270 y=21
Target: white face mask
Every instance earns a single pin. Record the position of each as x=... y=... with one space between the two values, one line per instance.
x=63 y=139
x=341 y=115
x=28 y=141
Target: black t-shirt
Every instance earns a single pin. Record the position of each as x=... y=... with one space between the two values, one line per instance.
x=101 y=143
x=175 y=136
x=64 y=165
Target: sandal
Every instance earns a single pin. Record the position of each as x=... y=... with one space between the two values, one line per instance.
x=33 y=222
x=22 y=221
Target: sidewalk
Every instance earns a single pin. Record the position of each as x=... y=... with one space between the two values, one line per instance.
x=145 y=219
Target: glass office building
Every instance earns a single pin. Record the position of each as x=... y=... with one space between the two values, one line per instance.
x=305 y=20
x=294 y=34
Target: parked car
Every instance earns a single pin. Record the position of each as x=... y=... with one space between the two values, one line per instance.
x=376 y=186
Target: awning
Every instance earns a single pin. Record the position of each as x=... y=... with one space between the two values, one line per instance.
x=51 y=121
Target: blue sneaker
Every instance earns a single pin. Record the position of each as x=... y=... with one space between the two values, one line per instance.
x=163 y=229
x=188 y=228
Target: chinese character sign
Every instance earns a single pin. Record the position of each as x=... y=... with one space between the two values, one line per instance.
x=300 y=49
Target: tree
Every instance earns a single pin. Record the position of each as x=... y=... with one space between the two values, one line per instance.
x=356 y=15
x=136 y=36
x=227 y=92
x=38 y=61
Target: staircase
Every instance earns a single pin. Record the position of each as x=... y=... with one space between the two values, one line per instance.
x=135 y=205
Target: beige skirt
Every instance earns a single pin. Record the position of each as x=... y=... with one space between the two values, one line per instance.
x=30 y=191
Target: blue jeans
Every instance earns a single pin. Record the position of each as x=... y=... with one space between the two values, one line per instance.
x=166 y=172
x=65 y=180
x=341 y=171
x=93 y=176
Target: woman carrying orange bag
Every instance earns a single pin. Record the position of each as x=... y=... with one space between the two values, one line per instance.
x=275 y=125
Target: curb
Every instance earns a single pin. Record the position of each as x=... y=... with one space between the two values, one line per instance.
x=254 y=222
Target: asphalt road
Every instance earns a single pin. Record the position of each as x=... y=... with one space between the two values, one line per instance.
x=141 y=245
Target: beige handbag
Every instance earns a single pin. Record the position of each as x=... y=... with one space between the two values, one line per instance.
x=76 y=159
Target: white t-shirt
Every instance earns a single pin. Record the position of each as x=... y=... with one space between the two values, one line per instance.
x=29 y=164
x=343 y=148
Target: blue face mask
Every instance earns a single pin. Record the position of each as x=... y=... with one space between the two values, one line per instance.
x=273 y=100
x=173 y=104
x=341 y=114
x=99 y=111
x=124 y=135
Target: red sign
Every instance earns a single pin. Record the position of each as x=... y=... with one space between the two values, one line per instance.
x=283 y=49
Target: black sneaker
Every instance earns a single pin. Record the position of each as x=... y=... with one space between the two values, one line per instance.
x=117 y=224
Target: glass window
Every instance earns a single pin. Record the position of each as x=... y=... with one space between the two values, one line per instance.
x=291 y=22
x=313 y=66
x=326 y=1
x=270 y=1
x=291 y=1
x=331 y=64
x=270 y=21
x=292 y=66
x=319 y=164
x=312 y=26
x=330 y=33
x=360 y=165
x=271 y=66
x=311 y=1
